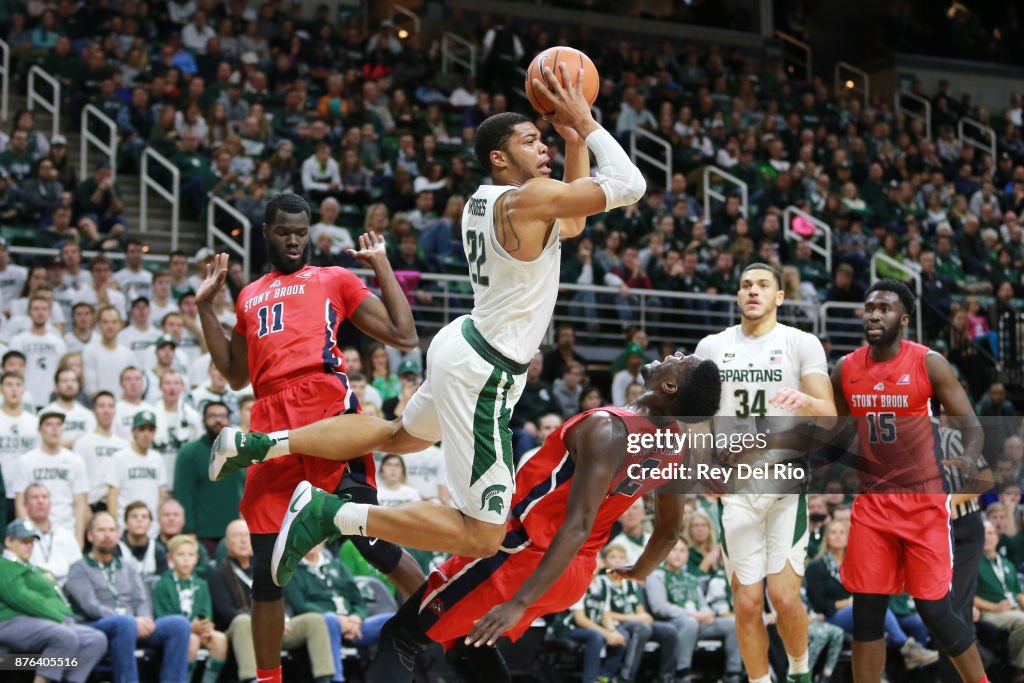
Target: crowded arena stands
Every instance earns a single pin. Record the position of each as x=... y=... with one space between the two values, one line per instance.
x=111 y=403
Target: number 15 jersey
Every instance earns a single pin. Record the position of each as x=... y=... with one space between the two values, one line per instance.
x=512 y=300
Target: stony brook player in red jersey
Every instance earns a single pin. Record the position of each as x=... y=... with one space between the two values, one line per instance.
x=567 y=496
x=901 y=541
x=285 y=340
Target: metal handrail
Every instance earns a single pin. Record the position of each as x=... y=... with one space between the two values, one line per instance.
x=850 y=336
x=914 y=275
x=449 y=41
x=5 y=69
x=821 y=228
x=838 y=80
x=974 y=142
x=800 y=45
x=711 y=193
x=108 y=147
x=635 y=153
x=925 y=118
x=398 y=9
x=148 y=182
x=88 y=253
x=51 y=106
x=212 y=231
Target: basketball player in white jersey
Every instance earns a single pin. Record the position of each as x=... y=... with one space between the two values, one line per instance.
x=767 y=370
x=476 y=365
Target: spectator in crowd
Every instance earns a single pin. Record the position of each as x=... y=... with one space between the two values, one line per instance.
x=137 y=473
x=62 y=470
x=537 y=399
x=42 y=349
x=137 y=547
x=393 y=488
x=176 y=422
x=568 y=388
x=633 y=537
x=585 y=624
x=18 y=435
x=705 y=553
x=105 y=359
x=630 y=374
x=139 y=336
x=55 y=548
x=34 y=618
x=163 y=358
x=133 y=279
x=100 y=199
x=326 y=587
x=111 y=597
x=43 y=193
x=999 y=597
x=171 y=522
x=674 y=595
x=132 y=383
x=97 y=447
x=78 y=420
x=216 y=390
x=232 y=607
x=180 y=592
x=83 y=327
x=564 y=352
x=12 y=276
x=162 y=302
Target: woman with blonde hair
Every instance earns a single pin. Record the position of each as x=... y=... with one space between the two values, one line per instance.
x=376 y=218
x=705 y=552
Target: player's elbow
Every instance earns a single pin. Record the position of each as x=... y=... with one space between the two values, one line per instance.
x=636 y=186
x=407 y=343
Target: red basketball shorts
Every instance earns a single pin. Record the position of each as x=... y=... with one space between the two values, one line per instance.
x=269 y=486
x=464 y=589
x=899 y=542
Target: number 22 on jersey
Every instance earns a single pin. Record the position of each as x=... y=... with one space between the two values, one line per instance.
x=477 y=257
x=271 y=319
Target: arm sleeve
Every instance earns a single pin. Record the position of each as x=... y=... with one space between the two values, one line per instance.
x=657 y=598
x=619 y=178
x=812 y=356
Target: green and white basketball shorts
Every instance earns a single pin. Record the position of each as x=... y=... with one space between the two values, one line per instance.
x=466 y=402
x=761 y=533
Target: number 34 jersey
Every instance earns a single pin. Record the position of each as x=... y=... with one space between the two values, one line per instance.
x=290 y=323
x=512 y=300
x=753 y=369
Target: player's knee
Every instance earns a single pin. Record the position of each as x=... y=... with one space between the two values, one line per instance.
x=263 y=587
x=869 y=617
x=786 y=602
x=951 y=633
x=749 y=603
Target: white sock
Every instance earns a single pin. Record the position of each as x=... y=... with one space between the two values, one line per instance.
x=280 y=446
x=767 y=678
x=351 y=519
x=798 y=665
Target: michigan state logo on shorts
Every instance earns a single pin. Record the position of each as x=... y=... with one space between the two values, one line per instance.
x=491 y=498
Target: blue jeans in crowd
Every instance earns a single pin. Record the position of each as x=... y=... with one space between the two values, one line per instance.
x=371 y=634
x=893 y=633
x=593 y=642
x=171 y=636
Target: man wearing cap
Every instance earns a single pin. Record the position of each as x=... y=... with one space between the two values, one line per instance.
x=411 y=375
x=42 y=348
x=133 y=278
x=56 y=548
x=104 y=360
x=97 y=447
x=140 y=337
x=111 y=596
x=78 y=420
x=176 y=422
x=137 y=472
x=34 y=618
x=168 y=359
x=62 y=471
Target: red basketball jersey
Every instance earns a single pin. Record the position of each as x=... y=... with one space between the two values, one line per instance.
x=544 y=478
x=899 y=444
x=290 y=323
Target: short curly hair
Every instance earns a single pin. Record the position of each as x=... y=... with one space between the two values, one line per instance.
x=898 y=288
x=700 y=391
x=493 y=134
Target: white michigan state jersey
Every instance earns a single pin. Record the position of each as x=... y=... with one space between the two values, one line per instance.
x=512 y=300
x=753 y=369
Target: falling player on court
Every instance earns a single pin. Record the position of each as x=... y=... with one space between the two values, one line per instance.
x=476 y=365
x=569 y=493
x=768 y=370
x=900 y=531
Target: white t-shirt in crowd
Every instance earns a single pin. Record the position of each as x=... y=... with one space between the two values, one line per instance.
x=632 y=548
x=97 y=452
x=134 y=284
x=189 y=345
x=425 y=471
x=142 y=344
x=137 y=477
x=42 y=354
x=175 y=428
x=12 y=281
x=114 y=298
x=392 y=498
x=18 y=435
x=124 y=413
x=341 y=239
x=158 y=311
x=63 y=475
x=55 y=551
x=77 y=421
x=103 y=367
x=76 y=345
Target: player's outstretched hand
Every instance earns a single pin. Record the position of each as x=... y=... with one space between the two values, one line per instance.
x=216 y=274
x=627 y=571
x=790 y=399
x=490 y=626
x=371 y=247
x=571 y=108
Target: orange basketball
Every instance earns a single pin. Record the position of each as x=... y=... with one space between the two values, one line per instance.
x=551 y=58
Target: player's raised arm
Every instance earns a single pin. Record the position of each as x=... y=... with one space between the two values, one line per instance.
x=231 y=356
x=618 y=182
x=389 y=321
x=588 y=443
